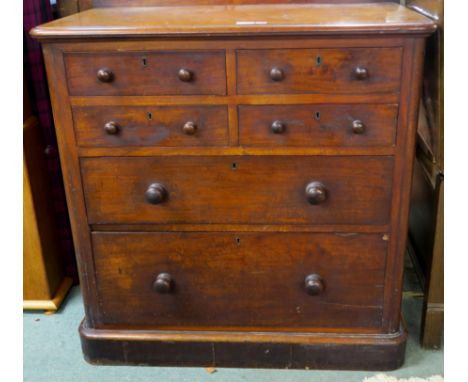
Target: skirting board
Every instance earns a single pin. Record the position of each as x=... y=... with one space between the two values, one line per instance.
x=241 y=349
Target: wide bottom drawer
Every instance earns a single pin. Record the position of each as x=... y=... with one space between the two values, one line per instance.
x=240 y=280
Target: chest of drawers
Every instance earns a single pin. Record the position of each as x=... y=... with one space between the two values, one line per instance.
x=238 y=179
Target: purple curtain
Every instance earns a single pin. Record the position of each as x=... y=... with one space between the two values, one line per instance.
x=36 y=12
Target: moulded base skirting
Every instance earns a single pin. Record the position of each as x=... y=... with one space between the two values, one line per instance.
x=243 y=349
x=54 y=303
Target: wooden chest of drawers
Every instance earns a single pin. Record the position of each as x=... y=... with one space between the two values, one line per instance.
x=238 y=179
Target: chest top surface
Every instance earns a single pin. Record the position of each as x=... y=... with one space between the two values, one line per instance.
x=238 y=20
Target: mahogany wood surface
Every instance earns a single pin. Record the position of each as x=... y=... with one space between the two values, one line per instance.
x=240 y=279
x=275 y=207
x=238 y=190
x=318 y=125
x=319 y=71
x=231 y=20
x=136 y=3
x=151 y=126
x=259 y=349
x=146 y=73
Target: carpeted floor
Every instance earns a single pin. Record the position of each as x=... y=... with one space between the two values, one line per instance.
x=52 y=353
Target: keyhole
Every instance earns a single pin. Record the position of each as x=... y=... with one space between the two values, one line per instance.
x=238 y=240
x=144 y=61
x=150 y=116
x=234 y=165
x=318 y=60
x=317 y=115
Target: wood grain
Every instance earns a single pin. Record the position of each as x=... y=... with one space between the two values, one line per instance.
x=233 y=224
x=237 y=20
x=317 y=125
x=407 y=124
x=147 y=73
x=239 y=279
x=253 y=190
x=71 y=172
x=151 y=126
x=319 y=70
x=139 y=3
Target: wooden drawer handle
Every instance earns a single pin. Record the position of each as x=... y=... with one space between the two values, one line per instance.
x=163 y=283
x=358 y=127
x=105 y=75
x=111 y=128
x=361 y=73
x=278 y=127
x=185 y=75
x=313 y=284
x=316 y=192
x=156 y=193
x=276 y=74
x=190 y=128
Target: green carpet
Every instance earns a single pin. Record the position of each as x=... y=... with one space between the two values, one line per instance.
x=52 y=353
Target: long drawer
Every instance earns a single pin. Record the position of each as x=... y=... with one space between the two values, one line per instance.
x=338 y=71
x=238 y=189
x=294 y=280
x=165 y=126
x=146 y=73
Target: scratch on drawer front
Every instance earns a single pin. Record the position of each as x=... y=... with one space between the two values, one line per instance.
x=346 y=234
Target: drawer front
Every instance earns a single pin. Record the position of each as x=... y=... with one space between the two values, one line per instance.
x=337 y=71
x=318 y=125
x=146 y=73
x=109 y=126
x=238 y=189
x=240 y=279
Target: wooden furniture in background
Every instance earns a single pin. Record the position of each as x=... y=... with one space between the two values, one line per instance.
x=44 y=284
x=238 y=179
x=69 y=7
x=427 y=211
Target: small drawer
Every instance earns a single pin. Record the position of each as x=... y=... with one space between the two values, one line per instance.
x=238 y=189
x=318 y=125
x=242 y=280
x=329 y=71
x=146 y=73
x=188 y=126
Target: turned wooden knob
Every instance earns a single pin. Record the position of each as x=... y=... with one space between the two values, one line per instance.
x=185 y=75
x=105 y=75
x=278 y=127
x=111 y=128
x=156 y=193
x=361 y=73
x=276 y=74
x=163 y=283
x=313 y=284
x=316 y=192
x=358 y=127
x=189 y=128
